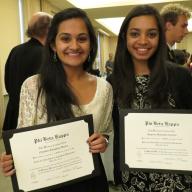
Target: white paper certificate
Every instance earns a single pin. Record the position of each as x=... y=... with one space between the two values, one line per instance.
x=53 y=155
x=158 y=141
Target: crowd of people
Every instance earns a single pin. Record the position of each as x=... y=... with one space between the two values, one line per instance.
x=143 y=75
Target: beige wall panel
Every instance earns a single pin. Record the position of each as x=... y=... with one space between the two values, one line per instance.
x=48 y=7
x=186 y=43
x=113 y=45
x=10 y=32
x=29 y=8
x=9 y=37
x=105 y=53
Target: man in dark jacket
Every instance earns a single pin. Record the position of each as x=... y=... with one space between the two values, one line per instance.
x=175 y=18
x=24 y=61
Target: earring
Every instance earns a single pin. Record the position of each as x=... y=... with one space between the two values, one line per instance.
x=55 y=57
x=89 y=58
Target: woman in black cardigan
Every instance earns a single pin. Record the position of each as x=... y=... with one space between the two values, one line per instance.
x=143 y=79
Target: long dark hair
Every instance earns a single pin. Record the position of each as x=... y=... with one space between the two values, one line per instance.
x=123 y=77
x=53 y=81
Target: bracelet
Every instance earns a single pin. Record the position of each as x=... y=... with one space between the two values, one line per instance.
x=106 y=141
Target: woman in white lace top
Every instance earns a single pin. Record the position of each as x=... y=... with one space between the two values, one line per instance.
x=65 y=89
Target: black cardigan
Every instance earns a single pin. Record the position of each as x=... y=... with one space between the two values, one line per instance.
x=23 y=61
x=180 y=87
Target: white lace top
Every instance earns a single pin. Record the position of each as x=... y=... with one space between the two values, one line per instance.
x=100 y=106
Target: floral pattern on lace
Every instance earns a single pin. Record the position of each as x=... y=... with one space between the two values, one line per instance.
x=32 y=113
x=138 y=181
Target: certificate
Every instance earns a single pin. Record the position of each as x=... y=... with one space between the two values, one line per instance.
x=156 y=141
x=51 y=155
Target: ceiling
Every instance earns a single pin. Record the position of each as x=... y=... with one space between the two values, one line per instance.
x=117 y=11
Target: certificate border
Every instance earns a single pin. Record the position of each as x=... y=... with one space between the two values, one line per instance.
x=125 y=112
x=9 y=134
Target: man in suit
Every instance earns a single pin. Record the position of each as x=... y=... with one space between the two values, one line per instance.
x=24 y=61
x=175 y=19
x=109 y=64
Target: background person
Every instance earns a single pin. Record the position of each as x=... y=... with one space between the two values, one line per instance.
x=24 y=61
x=181 y=56
x=109 y=64
x=189 y=63
x=143 y=79
x=64 y=89
x=175 y=18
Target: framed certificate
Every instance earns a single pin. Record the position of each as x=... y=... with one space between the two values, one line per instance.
x=156 y=140
x=51 y=155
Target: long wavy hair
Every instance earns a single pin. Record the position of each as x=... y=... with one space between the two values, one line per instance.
x=123 y=77
x=53 y=80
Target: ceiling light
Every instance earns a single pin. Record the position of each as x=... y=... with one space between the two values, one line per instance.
x=113 y=3
x=112 y=24
x=97 y=3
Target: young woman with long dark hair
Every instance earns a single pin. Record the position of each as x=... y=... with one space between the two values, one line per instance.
x=64 y=89
x=143 y=79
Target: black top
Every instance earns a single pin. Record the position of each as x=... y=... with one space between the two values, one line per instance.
x=170 y=55
x=23 y=61
x=179 y=97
